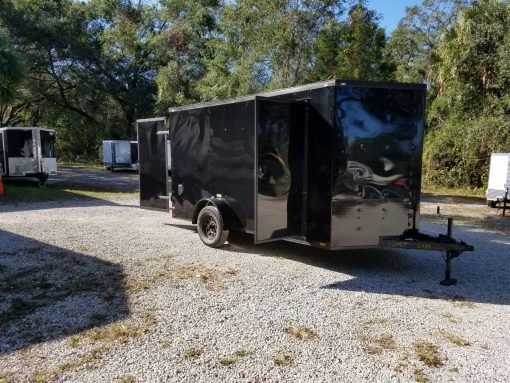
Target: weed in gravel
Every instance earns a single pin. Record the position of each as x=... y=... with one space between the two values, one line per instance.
x=420 y=376
x=454 y=339
x=127 y=379
x=7 y=377
x=427 y=353
x=485 y=346
x=210 y=278
x=301 y=332
x=73 y=342
x=400 y=367
x=230 y=271
x=373 y=350
x=373 y=322
x=165 y=344
x=121 y=332
x=451 y=318
x=454 y=370
x=386 y=342
x=86 y=360
x=185 y=271
x=192 y=353
x=43 y=376
x=281 y=360
x=242 y=352
x=227 y=361
x=461 y=302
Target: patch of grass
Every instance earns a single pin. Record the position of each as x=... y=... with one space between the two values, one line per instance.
x=44 y=376
x=454 y=192
x=73 y=342
x=373 y=350
x=420 y=376
x=386 y=342
x=301 y=332
x=127 y=379
x=373 y=322
x=227 y=361
x=122 y=332
x=7 y=377
x=427 y=353
x=165 y=344
x=210 y=278
x=282 y=360
x=242 y=353
x=400 y=367
x=192 y=353
x=460 y=302
x=451 y=318
x=32 y=193
x=454 y=339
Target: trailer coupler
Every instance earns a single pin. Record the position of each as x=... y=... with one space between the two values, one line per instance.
x=413 y=239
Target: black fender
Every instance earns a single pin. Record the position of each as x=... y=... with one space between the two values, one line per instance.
x=230 y=219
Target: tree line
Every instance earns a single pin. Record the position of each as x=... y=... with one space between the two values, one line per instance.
x=89 y=69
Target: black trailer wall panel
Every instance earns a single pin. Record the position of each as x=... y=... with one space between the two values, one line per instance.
x=212 y=154
x=153 y=166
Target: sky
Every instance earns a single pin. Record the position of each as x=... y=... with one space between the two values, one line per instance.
x=391 y=11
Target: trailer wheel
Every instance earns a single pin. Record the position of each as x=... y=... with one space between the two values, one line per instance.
x=210 y=227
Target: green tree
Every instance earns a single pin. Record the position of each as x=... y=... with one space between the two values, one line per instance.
x=11 y=69
x=91 y=67
x=414 y=43
x=353 y=49
x=470 y=117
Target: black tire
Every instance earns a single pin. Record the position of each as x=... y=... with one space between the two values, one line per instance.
x=210 y=227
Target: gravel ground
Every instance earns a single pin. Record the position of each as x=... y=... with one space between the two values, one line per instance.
x=102 y=291
x=119 y=180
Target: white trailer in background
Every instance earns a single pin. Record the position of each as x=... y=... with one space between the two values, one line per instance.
x=27 y=152
x=120 y=154
x=499 y=179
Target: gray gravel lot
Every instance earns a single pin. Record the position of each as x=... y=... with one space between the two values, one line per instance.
x=102 y=291
x=119 y=180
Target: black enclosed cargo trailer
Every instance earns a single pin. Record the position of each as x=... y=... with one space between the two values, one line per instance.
x=335 y=164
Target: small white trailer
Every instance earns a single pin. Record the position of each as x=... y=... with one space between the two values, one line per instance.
x=28 y=152
x=499 y=179
x=120 y=154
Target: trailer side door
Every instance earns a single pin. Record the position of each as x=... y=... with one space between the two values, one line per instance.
x=280 y=168
x=152 y=136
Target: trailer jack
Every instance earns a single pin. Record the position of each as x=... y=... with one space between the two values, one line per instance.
x=413 y=239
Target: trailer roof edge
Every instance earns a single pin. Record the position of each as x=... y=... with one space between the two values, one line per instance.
x=300 y=88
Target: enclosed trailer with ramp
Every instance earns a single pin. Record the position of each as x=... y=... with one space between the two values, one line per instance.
x=335 y=164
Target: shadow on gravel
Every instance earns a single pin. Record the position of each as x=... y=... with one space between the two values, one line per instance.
x=483 y=276
x=47 y=292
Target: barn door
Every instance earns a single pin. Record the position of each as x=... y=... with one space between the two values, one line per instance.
x=280 y=161
x=152 y=136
